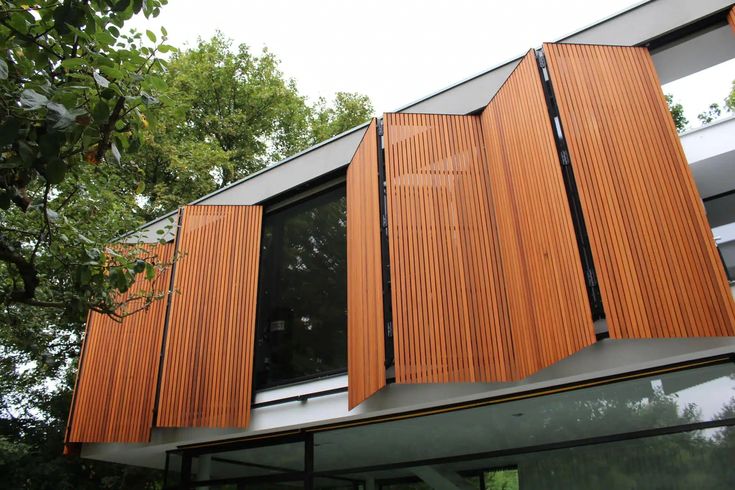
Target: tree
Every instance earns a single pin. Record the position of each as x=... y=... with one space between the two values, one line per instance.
x=74 y=94
x=347 y=111
x=730 y=99
x=677 y=113
x=229 y=113
x=713 y=112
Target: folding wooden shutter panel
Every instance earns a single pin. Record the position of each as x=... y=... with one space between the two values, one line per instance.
x=365 y=337
x=659 y=272
x=207 y=369
x=444 y=277
x=116 y=385
x=547 y=305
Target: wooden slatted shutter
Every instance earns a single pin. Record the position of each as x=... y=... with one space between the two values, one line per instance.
x=365 y=325
x=116 y=384
x=731 y=18
x=658 y=269
x=549 y=316
x=485 y=273
x=208 y=357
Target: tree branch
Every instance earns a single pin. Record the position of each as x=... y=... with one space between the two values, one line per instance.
x=109 y=126
x=26 y=269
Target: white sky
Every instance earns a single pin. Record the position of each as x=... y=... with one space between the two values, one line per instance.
x=402 y=50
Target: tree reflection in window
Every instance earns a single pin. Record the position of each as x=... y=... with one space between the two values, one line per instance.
x=302 y=317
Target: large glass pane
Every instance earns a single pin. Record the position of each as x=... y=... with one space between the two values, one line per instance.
x=303 y=291
x=684 y=461
x=267 y=461
x=663 y=400
x=698 y=459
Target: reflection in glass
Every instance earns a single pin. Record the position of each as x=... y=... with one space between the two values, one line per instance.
x=272 y=460
x=664 y=400
x=303 y=291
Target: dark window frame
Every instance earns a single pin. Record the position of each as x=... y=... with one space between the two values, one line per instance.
x=282 y=204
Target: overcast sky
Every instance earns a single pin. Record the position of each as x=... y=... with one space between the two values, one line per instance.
x=402 y=50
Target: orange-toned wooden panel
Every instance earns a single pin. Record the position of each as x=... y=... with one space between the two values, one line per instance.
x=448 y=325
x=116 y=385
x=547 y=305
x=485 y=272
x=731 y=18
x=656 y=261
x=365 y=340
x=208 y=358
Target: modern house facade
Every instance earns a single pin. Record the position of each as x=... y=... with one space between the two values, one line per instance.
x=512 y=281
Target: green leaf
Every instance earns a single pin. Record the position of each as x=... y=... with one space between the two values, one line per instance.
x=101 y=112
x=150 y=35
x=112 y=72
x=50 y=144
x=55 y=171
x=165 y=48
x=85 y=275
x=62 y=117
x=71 y=63
x=104 y=37
x=108 y=93
x=157 y=83
x=101 y=81
x=27 y=152
x=32 y=100
x=140 y=187
x=139 y=266
x=150 y=272
x=9 y=131
x=3 y=70
x=164 y=31
x=120 y=5
x=60 y=15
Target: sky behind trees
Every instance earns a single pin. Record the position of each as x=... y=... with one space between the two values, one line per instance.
x=398 y=52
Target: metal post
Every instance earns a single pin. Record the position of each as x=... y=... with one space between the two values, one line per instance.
x=309 y=461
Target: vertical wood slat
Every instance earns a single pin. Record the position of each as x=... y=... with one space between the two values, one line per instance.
x=485 y=273
x=731 y=18
x=115 y=390
x=547 y=302
x=365 y=323
x=208 y=358
x=658 y=268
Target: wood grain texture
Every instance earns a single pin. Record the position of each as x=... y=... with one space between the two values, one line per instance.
x=485 y=273
x=731 y=18
x=656 y=261
x=545 y=294
x=365 y=325
x=116 y=385
x=438 y=215
x=208 y=357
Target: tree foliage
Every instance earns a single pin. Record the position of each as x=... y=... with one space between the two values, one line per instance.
x=75 y=93
x=677 y=113
x=713 y=112
x=229 y=113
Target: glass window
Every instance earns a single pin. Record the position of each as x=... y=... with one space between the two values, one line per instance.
x=302 y=318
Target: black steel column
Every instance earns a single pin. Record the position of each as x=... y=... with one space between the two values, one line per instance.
x=309 y=461
x=575 y=205
x=384 y=250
